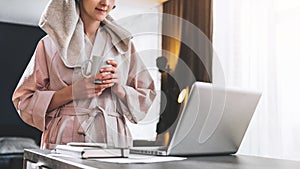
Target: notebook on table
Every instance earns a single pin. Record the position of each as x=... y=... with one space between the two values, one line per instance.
x=213 y=122
x=91 y=150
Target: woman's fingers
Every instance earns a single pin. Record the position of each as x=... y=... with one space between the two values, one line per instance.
x=94 y=86
x=104 y=77
x=86 y=88
x=108 y=70
x=113 y=63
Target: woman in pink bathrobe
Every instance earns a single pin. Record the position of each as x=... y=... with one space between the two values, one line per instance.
x=55 y=96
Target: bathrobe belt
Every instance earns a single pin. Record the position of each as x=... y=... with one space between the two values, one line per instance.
x=79 y=111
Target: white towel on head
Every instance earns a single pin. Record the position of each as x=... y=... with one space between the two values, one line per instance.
x=61 y=21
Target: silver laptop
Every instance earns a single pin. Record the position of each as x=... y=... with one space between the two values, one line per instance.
x=213 y=121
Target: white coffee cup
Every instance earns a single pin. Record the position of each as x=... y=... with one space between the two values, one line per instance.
x=91 y=67
x=103 y=64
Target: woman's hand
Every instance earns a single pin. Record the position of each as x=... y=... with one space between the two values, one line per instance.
x=108 y=76
x=87 y=88
x=112 y=78
x=82 y=89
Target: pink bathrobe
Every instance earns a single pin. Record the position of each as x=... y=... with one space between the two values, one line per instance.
x=100 y=119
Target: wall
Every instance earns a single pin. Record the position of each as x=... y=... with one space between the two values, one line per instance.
x=17 y=43
x=21 y=12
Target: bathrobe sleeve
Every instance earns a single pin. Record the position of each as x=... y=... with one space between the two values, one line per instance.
x=31 y=98
x=139 y=89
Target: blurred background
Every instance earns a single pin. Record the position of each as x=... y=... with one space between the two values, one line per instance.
x=255 y=42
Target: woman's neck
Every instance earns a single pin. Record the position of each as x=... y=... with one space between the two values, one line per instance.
x=90 y=28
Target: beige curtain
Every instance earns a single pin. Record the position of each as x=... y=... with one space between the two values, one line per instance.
x=188 y=56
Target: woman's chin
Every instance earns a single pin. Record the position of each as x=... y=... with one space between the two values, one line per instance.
x=100 y=19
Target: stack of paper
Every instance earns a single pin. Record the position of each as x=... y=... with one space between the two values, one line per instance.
x=91 y=150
